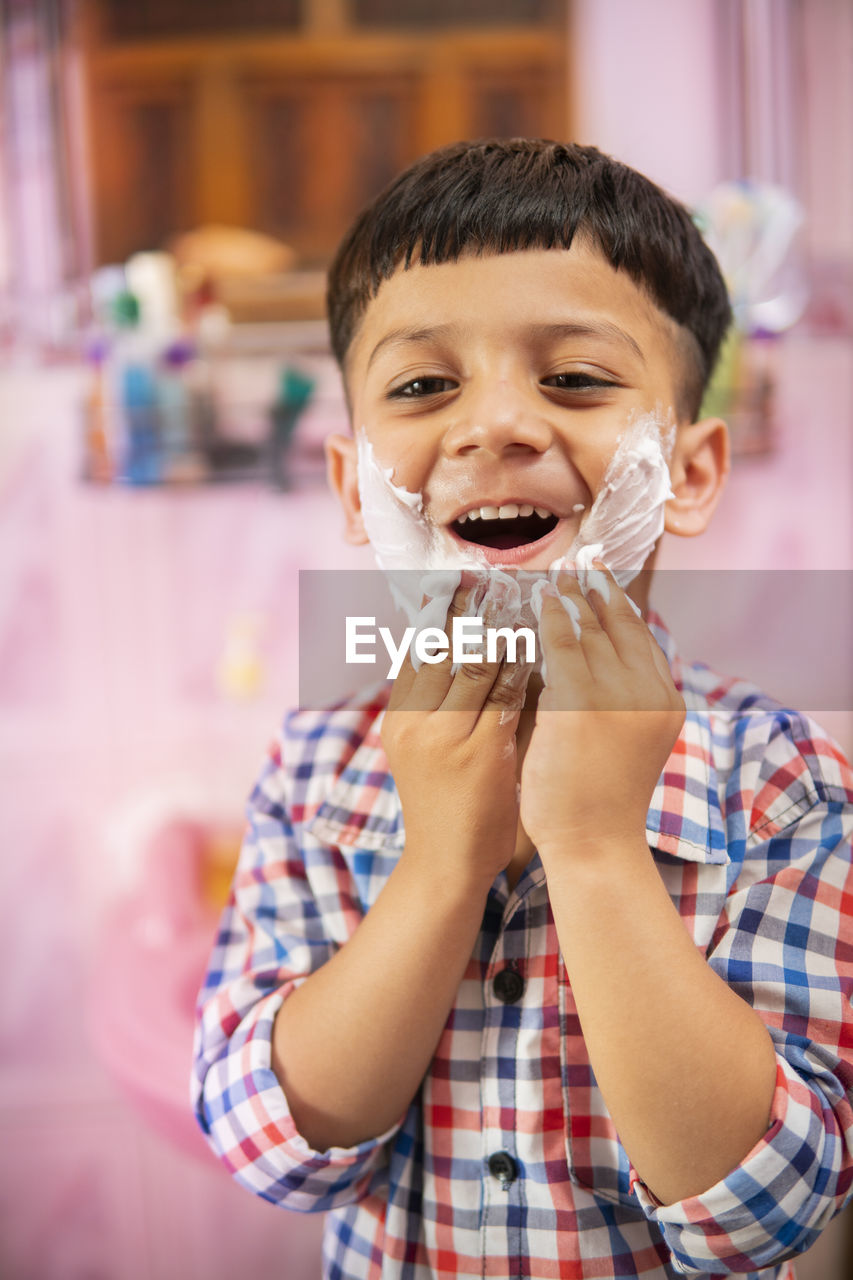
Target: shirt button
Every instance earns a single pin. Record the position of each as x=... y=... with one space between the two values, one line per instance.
x=508 y=985
x=503 y=1167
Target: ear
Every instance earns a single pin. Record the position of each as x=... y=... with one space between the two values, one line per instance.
x=342 y=474
x=698 y=469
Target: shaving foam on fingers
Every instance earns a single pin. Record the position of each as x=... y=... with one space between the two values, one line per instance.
x=595 y=580
x=574 y=614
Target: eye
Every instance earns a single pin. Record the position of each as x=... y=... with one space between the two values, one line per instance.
x=418 y=388
x=578 y=382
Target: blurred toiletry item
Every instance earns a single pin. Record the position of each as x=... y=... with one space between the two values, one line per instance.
x=752 y=229
x=97 y=452
x=174 y=403
x=105 y=284
x=134 y=390
x=294 y=392
x=152 y=280
x=183 y=412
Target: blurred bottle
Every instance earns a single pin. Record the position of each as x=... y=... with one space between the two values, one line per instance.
x=294 y=391
x=97 y=458
x=133 y=382
x=182 y=413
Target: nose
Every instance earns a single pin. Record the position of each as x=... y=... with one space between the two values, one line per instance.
x=499 y=418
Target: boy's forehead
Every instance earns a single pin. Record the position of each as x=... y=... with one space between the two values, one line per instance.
x=543 y=289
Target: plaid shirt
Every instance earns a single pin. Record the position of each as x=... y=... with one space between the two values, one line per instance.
x=507 y=1162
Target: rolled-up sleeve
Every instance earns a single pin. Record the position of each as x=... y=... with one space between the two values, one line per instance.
x=272 y=936
x=785 y=944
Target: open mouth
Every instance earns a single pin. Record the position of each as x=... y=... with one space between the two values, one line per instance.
x=505 y=527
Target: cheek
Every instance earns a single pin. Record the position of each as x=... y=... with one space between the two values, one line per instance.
x=601 y=452
x=405 y=456
x=385 y=488
x=592 y=459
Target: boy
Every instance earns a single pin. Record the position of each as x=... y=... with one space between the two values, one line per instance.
x=509 y=990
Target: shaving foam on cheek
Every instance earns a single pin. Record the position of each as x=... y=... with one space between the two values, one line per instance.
x=626 y=519
x=393 y=516
x=403 y=538
x=400 y=532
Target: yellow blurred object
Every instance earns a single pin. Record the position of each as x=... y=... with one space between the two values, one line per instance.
x=219 y=858
x=217 y=252
x=245 y=276
x=240 y=670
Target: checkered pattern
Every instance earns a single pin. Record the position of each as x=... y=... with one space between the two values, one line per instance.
x=750 y=827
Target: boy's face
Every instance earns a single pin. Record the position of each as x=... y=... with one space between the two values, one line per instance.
x=507 y=381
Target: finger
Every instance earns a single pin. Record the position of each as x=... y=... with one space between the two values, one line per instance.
x=664 y=673
x=475 y=677
x=594 y=638
x=619 y=618
x=402 y=686
x=406 y=675
x=428 y=686
x=506 y=697
x=560 y=632
x=630 y=634
x=516 y=664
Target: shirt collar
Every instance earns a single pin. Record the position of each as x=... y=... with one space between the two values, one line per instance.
x=363 y=808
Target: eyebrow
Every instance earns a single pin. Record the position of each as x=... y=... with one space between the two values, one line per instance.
x=400 y=337
x=603 y=329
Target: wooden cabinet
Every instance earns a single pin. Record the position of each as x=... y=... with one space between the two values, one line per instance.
x=290 y=123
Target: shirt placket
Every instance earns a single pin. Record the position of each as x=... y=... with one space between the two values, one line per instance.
x=502 y=1233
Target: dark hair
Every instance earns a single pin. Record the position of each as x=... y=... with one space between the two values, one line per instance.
x=500 y=195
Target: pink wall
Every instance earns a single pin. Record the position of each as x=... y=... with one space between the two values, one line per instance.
x=646 y=90
x=654 y=83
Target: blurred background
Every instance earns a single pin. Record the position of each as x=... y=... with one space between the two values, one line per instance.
x=174 y=176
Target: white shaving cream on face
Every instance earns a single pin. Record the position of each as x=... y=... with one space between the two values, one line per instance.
x=626 y=519
x=393 y=516
x=621 y=529
x=403 y=538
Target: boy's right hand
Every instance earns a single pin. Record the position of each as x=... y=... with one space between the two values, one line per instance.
x=451 y=745
x=450 y=739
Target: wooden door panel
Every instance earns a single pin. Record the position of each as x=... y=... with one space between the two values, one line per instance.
x=144 y=159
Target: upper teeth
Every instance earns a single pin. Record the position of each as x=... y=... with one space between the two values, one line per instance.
x=508 y=511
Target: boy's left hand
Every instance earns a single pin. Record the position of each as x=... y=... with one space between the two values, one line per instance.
x=606 y=723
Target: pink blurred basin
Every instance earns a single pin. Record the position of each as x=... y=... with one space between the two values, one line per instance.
x=150 y=963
